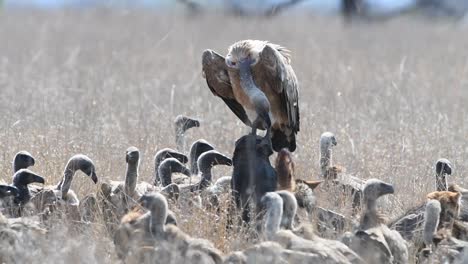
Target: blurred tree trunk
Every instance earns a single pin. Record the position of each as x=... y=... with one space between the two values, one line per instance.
x=193 y=7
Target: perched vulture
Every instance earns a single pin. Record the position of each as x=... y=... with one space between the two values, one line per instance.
x=258 y=84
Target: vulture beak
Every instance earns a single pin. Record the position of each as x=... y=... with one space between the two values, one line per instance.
x=94 y=177
x=38 y=179
x=387 y=189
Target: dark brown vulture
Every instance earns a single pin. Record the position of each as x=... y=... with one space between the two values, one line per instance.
x=258 y=84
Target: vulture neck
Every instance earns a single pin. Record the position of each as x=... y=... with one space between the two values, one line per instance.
x=206 y=176
x=165 y=176
x=131 y=178
x=23 y=194
x=158 y=219
x=246 y=80
x=370 y=217
x=180 y=140
x=273 y=219
x=441 y=182
x=286 y=180
x=325 y=159
x=431 y=221
x=256 y=96
x=65 y=184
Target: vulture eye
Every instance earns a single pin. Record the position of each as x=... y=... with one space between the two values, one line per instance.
x=231 y=64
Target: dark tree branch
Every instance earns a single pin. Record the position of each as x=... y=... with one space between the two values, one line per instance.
x=278 y=8
x=192 y=6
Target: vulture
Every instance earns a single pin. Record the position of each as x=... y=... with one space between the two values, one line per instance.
x=148 y=238
x=163 y=154
x=182 y=124
x=258 y=84
x=410 y=224
x=372 y=239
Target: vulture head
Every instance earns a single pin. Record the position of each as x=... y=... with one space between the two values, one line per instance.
x=374 y=188
x=77 y=162
x=23 y=160
x=83 y=163
x=443 y=168
x=164 y=154
x=169 y=166
x=211 y=158
x=132 y=155
x=184 y=123
x=21 y=179
x=328 y=140
x=198 y=147
x=24 y=177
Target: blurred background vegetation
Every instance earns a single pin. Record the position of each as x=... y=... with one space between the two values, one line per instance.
x=366 y=9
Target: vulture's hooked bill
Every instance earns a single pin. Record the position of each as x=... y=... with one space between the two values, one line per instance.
x=258 y=84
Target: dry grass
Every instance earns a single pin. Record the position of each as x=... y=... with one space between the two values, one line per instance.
x=97 y=82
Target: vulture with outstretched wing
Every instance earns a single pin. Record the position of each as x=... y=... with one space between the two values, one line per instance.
x=258 y=84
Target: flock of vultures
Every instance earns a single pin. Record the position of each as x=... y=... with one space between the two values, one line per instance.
x=286 y=223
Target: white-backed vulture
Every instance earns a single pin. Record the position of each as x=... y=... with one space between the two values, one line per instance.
x=330 y=222
x=61 y=192
x=169 y=166
x=21 y=180
x=197 y=148
x=181 y=125
x=372 y=239
x=410 y=224
x=443 y=169
x=193 y=192
x=258 y=84
x=327 y=251
x=148 y=238
x=163 y=154
x=206 y=162
x=120 y=196
x=22 y=160
x=334 y=176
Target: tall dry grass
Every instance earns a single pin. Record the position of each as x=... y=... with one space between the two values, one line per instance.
x=395 y=94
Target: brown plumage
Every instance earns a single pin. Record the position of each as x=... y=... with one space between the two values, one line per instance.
x=409 y=225
x=258 y=84
x=147 y=238
x=440 y=230
x=450 y=202
x=302 y=189
x=284 y=167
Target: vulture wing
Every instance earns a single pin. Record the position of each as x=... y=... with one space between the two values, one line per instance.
x=274 y=70
x=217 y=77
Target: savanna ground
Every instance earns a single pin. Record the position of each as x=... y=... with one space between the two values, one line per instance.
x=97 y=82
